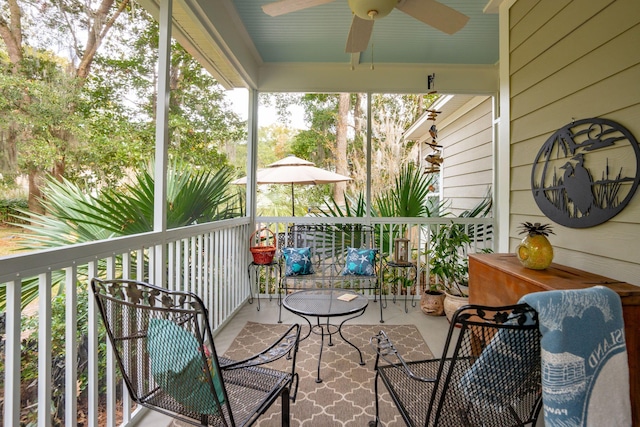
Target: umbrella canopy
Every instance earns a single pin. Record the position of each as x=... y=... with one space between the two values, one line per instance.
x=294 y=170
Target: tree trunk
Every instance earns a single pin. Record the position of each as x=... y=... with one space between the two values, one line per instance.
x=58 y=169
x=100 y=26
x=11 y=33
x=359 y=164
x=342 y=167
x=34 y=193
x=358 y=115
x=8 y=154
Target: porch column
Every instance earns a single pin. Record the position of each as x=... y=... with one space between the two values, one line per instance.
x=162 y=139
x=369 y=156
x=502 y=153
x=252 y=155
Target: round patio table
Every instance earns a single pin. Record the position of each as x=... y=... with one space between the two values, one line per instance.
x=325 y=303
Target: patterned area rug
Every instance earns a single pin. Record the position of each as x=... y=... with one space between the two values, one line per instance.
x=346 y=395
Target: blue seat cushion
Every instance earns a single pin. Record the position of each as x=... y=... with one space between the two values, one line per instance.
x=360 y=262
x=297 y=261
x=177 y=366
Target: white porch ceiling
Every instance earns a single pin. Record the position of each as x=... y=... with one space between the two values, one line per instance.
x=305 y=50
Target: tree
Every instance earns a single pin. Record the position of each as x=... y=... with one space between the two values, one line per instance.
x=111 y=73
x=392 y=115
x=203 y=129
x=337 y=135
x=97 y=22
x=39 y=123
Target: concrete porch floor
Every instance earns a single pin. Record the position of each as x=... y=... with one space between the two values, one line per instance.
x=433 y=329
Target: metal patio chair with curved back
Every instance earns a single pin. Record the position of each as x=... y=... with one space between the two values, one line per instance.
x=489 y=374
x=164 y=348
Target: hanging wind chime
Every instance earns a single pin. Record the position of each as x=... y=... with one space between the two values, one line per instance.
x=434 y=158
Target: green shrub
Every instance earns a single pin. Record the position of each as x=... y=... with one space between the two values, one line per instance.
x=9 y=208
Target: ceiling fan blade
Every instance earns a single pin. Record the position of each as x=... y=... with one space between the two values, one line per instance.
x=287 y=6
x=435 y=14
x=359 y=35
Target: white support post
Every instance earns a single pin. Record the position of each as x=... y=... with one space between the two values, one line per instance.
x=162 y=136
x=502 y=153
x=252 y=155
x=369 y=157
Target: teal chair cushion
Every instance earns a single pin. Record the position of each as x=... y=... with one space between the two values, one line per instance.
x=177 y=366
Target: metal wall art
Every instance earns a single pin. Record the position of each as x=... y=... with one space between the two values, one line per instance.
x=586 y=173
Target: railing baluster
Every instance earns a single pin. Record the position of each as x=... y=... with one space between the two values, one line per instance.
x=44 y=349
x=71 y=344
x=92 y=356
x=126 y=400
x=111 y=365
x=12 y=354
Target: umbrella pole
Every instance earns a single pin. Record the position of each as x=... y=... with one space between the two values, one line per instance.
x=293 y=202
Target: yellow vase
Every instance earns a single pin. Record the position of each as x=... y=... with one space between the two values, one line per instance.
x=535 y=252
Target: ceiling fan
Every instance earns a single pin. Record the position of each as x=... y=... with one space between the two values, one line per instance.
x=365 y=12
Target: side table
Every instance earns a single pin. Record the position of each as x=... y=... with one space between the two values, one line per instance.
x=271 y=270
x=326 y=303
x=404 y=275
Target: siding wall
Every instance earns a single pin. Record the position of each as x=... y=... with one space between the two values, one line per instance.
x=467 y=170
x=574 y=60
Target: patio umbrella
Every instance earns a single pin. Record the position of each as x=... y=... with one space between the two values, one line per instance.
x=294 y=170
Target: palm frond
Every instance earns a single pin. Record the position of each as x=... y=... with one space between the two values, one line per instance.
x=74 y=216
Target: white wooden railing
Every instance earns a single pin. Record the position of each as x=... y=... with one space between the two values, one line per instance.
x=209 y=259
x=418 y=230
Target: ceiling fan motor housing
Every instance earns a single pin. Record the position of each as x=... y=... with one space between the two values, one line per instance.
x=372 y=9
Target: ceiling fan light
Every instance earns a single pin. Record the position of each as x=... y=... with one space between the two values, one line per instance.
x=372 y=9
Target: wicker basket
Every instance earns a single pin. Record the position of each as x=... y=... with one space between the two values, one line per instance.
x=263 y=253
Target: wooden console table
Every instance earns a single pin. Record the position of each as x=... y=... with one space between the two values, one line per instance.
x=500 y=279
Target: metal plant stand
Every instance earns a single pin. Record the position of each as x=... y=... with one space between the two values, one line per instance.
x=403 y=275
x=271 y=270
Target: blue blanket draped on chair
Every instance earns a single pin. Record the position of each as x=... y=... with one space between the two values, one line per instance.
x=585 y=375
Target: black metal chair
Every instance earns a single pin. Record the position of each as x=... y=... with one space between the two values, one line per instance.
x=164 y=349
x=489 y=374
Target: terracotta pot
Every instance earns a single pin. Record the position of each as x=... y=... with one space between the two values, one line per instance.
x=535 y=252
x=432 y=303
x=452 y=303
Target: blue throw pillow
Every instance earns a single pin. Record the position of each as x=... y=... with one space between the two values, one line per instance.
x=360 y=262
x=297 y=261
x=177 y=366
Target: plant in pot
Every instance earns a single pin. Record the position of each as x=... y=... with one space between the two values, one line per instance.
x=449 y=265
